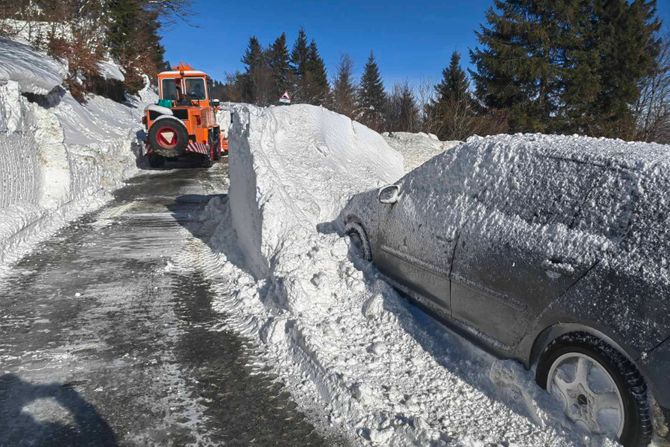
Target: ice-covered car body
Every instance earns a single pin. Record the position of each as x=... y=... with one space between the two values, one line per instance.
x=519 y=240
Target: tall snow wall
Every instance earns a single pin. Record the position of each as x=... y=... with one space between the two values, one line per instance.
x=293 y=168
x=58 y=158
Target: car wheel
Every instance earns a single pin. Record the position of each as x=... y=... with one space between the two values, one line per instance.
x=600 y=389
x=359 y=240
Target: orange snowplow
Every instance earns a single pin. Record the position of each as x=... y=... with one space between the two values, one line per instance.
x=183 y=121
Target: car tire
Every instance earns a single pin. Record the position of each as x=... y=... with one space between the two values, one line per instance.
x=634 y=417
x=359 y=240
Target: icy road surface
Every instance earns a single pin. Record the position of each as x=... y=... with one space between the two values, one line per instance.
x=108 y=336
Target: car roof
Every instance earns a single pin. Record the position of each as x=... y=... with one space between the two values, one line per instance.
x=637 y=156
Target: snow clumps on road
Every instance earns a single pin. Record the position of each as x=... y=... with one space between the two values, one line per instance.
x=342 y=339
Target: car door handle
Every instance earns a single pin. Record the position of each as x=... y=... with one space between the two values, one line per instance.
x=557 y=266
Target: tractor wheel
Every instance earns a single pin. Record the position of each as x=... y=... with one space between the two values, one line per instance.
x=215 y=143
x=208 y=160
x=156 y=161
x=168 y=137
x=217 y=150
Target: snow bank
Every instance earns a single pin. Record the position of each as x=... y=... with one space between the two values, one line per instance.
x=311 y=161
x=32 y=70
x=58 y=158
x=342 y=339
x=417 y=148
x=223 y=118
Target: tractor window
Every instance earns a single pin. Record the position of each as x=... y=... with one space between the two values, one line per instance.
x=195 y=88
x=169 y=89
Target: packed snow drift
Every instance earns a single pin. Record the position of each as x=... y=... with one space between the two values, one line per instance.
x=363 y=359
x=417 y=148
x=58 y=158
x=32 y=70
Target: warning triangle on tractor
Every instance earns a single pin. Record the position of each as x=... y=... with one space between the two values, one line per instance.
x=168 y=137
x=285 y=98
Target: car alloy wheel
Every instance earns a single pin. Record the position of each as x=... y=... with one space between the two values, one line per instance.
x=589 y=394
x=601 y=389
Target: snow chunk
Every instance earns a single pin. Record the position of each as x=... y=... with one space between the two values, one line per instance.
x=301 y=158
x=34 y=71
x=417 y=148
x=110 y=70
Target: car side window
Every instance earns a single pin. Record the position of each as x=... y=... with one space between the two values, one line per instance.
x=541 y=189
x=449 y=173
x=648 y=236
x=438 y=187
x=608 y=207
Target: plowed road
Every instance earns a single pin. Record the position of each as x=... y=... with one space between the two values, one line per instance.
x=106 y=340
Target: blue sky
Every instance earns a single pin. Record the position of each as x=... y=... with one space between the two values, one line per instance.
x=412 y=39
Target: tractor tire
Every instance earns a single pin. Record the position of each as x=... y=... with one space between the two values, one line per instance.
x=208 y=160
x=156 y=161
x=217 y=151
x=168 y=137
x=215 y=143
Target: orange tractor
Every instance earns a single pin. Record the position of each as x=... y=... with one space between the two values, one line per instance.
x=183 y=122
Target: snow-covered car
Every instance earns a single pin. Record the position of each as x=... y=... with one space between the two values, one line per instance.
x=550 y=250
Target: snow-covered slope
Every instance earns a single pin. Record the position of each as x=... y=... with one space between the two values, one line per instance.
x=347 y=345
x=417 y=148
x=34 y=72
x=58 y=158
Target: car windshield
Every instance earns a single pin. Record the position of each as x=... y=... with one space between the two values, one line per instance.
x=195 y=88
x=169 y=89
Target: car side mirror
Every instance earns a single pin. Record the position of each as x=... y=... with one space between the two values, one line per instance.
x=389 y=194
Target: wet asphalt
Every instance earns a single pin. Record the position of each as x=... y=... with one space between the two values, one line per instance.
x=105 y=342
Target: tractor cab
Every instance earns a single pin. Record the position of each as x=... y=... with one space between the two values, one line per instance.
x=183 y=86
x=183 y=121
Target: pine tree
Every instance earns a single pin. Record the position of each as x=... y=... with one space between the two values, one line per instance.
x=344 y=89
x=371 y=96
x=409 y=112
x=627 y=46
x=280 y=68
x=402 y=113
x=316 y=87
x=454 y=83
x=514 y=67
x=299 y=57
x=254 y=80
x=450 y=113
x=570 y=66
